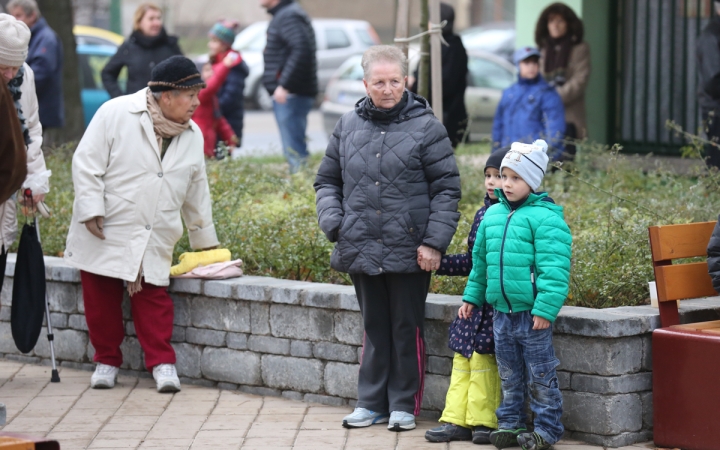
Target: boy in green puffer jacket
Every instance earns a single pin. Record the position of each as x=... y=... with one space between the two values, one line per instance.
x=521 y=266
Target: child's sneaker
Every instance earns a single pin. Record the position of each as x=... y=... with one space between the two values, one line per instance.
x=448 y=432
x=532 y=441
x=481 y=435
x=401 y=421
x=361 y=418
x=506 y=438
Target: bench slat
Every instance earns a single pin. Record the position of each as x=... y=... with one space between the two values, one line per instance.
x=698 y=325
x=680 y=241
x=683 y=281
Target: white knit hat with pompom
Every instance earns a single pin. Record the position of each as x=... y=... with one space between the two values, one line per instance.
x=14 y=40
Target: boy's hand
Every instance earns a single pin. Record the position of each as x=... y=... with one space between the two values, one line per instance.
x=540 y=324
x=465 y=310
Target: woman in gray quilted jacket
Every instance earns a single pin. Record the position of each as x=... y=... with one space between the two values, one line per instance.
x=387 y=194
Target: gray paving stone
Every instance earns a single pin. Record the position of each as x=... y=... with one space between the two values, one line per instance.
x=133 y=356
x=6 y=293
x=259 y=390
x=69 y=345
x=219 y=288
x=231 y=366
x=198 y=382
x=292 y=395
x=647 y=352
x=599 y=356
x=78 y=322
x=256 y=289
x=297 y=322
x=227 y=386
x=259 y=318
x=288 y=293
x=436 y=387
x=188 y=360
x=341 y=379
x=220 y=314
x=126 y=306
x=182 y=310
x=205 y=337
x=302 y=349
x=615 y=441
x=602 y=414
x=295 y=374
x=564 y=379
x=601 y=323
x=26 y=359
x=623 y=384
x=62 y=297
x=335 y=352
x=269 y=344
x=349 y=327
x=178 y=334
x=647 y=405
x=321 y=296
x=186 y=285
x=237 y=341
x=130 y=329
x=439 y=365
x=5 y=313
x=436 y=338
x=325 y=400
x=348 y=300
x=58 y=320
x=442 y=307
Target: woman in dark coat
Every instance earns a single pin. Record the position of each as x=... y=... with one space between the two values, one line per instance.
x=565 y=64
x=387 y=194
x=454 y=78
x=148 y=45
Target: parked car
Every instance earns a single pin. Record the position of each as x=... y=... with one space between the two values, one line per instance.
x=497 y=38
x=336 y=40
x=85 y=35
x=488 y=76
x=95 y=47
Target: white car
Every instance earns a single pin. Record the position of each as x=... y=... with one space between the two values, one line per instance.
x=336 y=40
x=488 y=76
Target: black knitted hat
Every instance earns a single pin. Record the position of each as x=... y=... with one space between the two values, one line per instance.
x=496 y=158
x=176 y=72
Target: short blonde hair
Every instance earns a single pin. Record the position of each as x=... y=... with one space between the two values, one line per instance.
x=141 y=11
x=387 y=53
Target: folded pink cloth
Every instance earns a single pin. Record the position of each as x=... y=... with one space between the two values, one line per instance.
x=217 y=271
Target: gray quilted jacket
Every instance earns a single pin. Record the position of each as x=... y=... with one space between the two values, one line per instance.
x=385 y=187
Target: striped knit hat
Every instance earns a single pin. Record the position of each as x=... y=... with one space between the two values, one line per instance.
x=14 y=40
x=225 y=30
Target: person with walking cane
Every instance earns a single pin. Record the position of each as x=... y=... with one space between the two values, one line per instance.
x=138 y=169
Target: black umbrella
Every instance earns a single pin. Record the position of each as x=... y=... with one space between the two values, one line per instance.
x=29 y=298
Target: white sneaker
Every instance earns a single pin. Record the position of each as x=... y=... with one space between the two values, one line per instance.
x=104 y=376
x=401 y=421
x=166 y=378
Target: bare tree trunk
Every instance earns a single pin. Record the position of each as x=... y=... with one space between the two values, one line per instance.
x=424 y=69
x=436 y=62
x=59 y=15
x=402 y=23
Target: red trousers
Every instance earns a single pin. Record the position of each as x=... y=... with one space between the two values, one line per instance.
x=152 y=312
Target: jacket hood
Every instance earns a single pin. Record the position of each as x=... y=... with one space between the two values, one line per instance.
x=416 y=106
x=536 y=199
x=152 y=41
x=279 y=6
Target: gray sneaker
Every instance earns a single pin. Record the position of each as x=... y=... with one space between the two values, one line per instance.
x=401 y=421
x=362 y=417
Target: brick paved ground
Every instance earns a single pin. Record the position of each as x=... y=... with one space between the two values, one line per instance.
x=133 y=415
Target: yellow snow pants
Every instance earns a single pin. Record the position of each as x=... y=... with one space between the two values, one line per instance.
x=474 y=392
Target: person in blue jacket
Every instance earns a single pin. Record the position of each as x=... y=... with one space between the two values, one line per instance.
x=45 y=58
x=529 y=109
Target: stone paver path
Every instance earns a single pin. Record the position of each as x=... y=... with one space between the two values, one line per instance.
x=134 y=416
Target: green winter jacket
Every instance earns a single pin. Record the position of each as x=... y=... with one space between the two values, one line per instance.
x=521 y=258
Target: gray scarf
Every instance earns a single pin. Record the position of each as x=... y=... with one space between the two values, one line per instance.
x=14 y=86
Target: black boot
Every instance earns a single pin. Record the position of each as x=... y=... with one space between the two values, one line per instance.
x=481 y=435
x=448 y=432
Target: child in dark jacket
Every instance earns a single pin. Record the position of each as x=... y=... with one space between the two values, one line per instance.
x=474 y=392
x=530 y=109
x=713 y=252
x=208 y=117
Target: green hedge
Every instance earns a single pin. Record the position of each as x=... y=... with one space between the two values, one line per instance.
x=267 y=218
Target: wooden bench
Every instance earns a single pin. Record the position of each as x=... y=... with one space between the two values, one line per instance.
x=686 y=358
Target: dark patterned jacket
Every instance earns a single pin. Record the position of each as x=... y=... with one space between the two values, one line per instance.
x=460 y=264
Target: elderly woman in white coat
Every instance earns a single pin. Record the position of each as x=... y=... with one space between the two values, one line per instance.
x=19 y=78
x=138 y=169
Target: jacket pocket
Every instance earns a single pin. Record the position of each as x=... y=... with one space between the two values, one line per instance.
x=415 y=231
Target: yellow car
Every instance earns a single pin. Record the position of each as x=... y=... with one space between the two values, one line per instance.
x=85 y=35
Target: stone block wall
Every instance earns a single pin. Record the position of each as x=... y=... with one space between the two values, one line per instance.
x=303 y=341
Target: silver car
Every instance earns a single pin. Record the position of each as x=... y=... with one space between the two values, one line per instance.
x=488 y=76
x=336 y=40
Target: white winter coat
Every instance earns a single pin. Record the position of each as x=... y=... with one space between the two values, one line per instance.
x=36 y=160
x=118 y=174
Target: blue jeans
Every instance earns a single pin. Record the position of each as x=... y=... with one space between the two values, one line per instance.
x=526 y=357
x=291 y=118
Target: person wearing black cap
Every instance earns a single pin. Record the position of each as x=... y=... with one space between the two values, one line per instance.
x=138 y=169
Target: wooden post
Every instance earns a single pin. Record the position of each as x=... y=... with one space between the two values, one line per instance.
x=424 y=66
x=403 y=24
x=436 y=61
